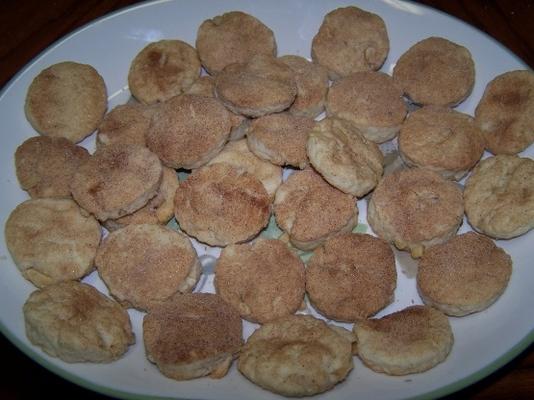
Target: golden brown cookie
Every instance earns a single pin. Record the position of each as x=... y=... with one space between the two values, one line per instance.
x=499 y=196
x=409 y=341
x=52 y=240
x=263 y=85
x=505 y=114
x=310 y=211
x=192 y=335
x=414 y=209
x=234 y=37
x=117 y=180
x=188 y=131
x=440 y=139
x=144 y=265
x=220 y=205
x=344 y=157
x=296 y=355
x=45 y=165
x=351 y=277
x=162 y=70
x=371 y=101
x=281 y=138
x=463 y=275
x=76 y=323
x=262 y=280
x=312 y=86
x=435 y=71
x=350 y=40
x=67 y=100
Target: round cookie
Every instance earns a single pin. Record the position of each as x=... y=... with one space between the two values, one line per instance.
x=499 y=196
x=435 y=71
x=281 y=138
x=296 y=355
x=263 y=280
x=371 y=101
x=76 y=323
x=440 y=139
x=66 y=100
x=350 y=40
x=505 y=114
x=117 y=180
x=344 y=157
x=158 y=210
x=414 y=209
x=52 y=240
x=220 y=205
x=162 y=70
x=351 y=277
x=125 y=124
x=188 y=131
x=192 y=335
x=263 y=85
x=45 y=165
x=144 y=265
x=234 y=37
x=312 y=85
x=463 y=275
x=409 y=341
x=238 y=155
x=310 y=211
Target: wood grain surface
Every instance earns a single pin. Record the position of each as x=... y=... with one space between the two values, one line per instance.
x=27 y=27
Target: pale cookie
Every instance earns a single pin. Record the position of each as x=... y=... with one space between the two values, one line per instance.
x=499 y=196
x=312 y=85
x=263 y=85
x=351 y=277
x=234 y=37
x=440 y=139
x=371 y=101
x=163 y=70
x=406 y=342
x=464 y=275
x=344 y=157
x=188 y=131
x=505 y=114
x=52 y=240
x=296 y=356
x=45 y=165
x=66 y=100
x=117 y=180
x=158 y=210
x=281 y=139
x=144 y=265
x=350 y=40
x=125 y=124
x=220 y=205
x=76 y=323
x=310 y=211
x=435 y=71
x=192 y=335
x=263 y=280
x=238 y=155
x=414 y=209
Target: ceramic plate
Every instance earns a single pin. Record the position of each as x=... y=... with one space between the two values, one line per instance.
x=483 y=341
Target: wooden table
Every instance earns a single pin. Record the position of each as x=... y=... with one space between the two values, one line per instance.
x=27 y=27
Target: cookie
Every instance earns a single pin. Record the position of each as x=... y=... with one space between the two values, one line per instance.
x=435 y=71
x=52 y=240
x=67 y=100
x=45 y=165
x=76 y=323
x=162 y=70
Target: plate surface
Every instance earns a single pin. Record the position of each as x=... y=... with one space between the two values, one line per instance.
x=483 y=341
